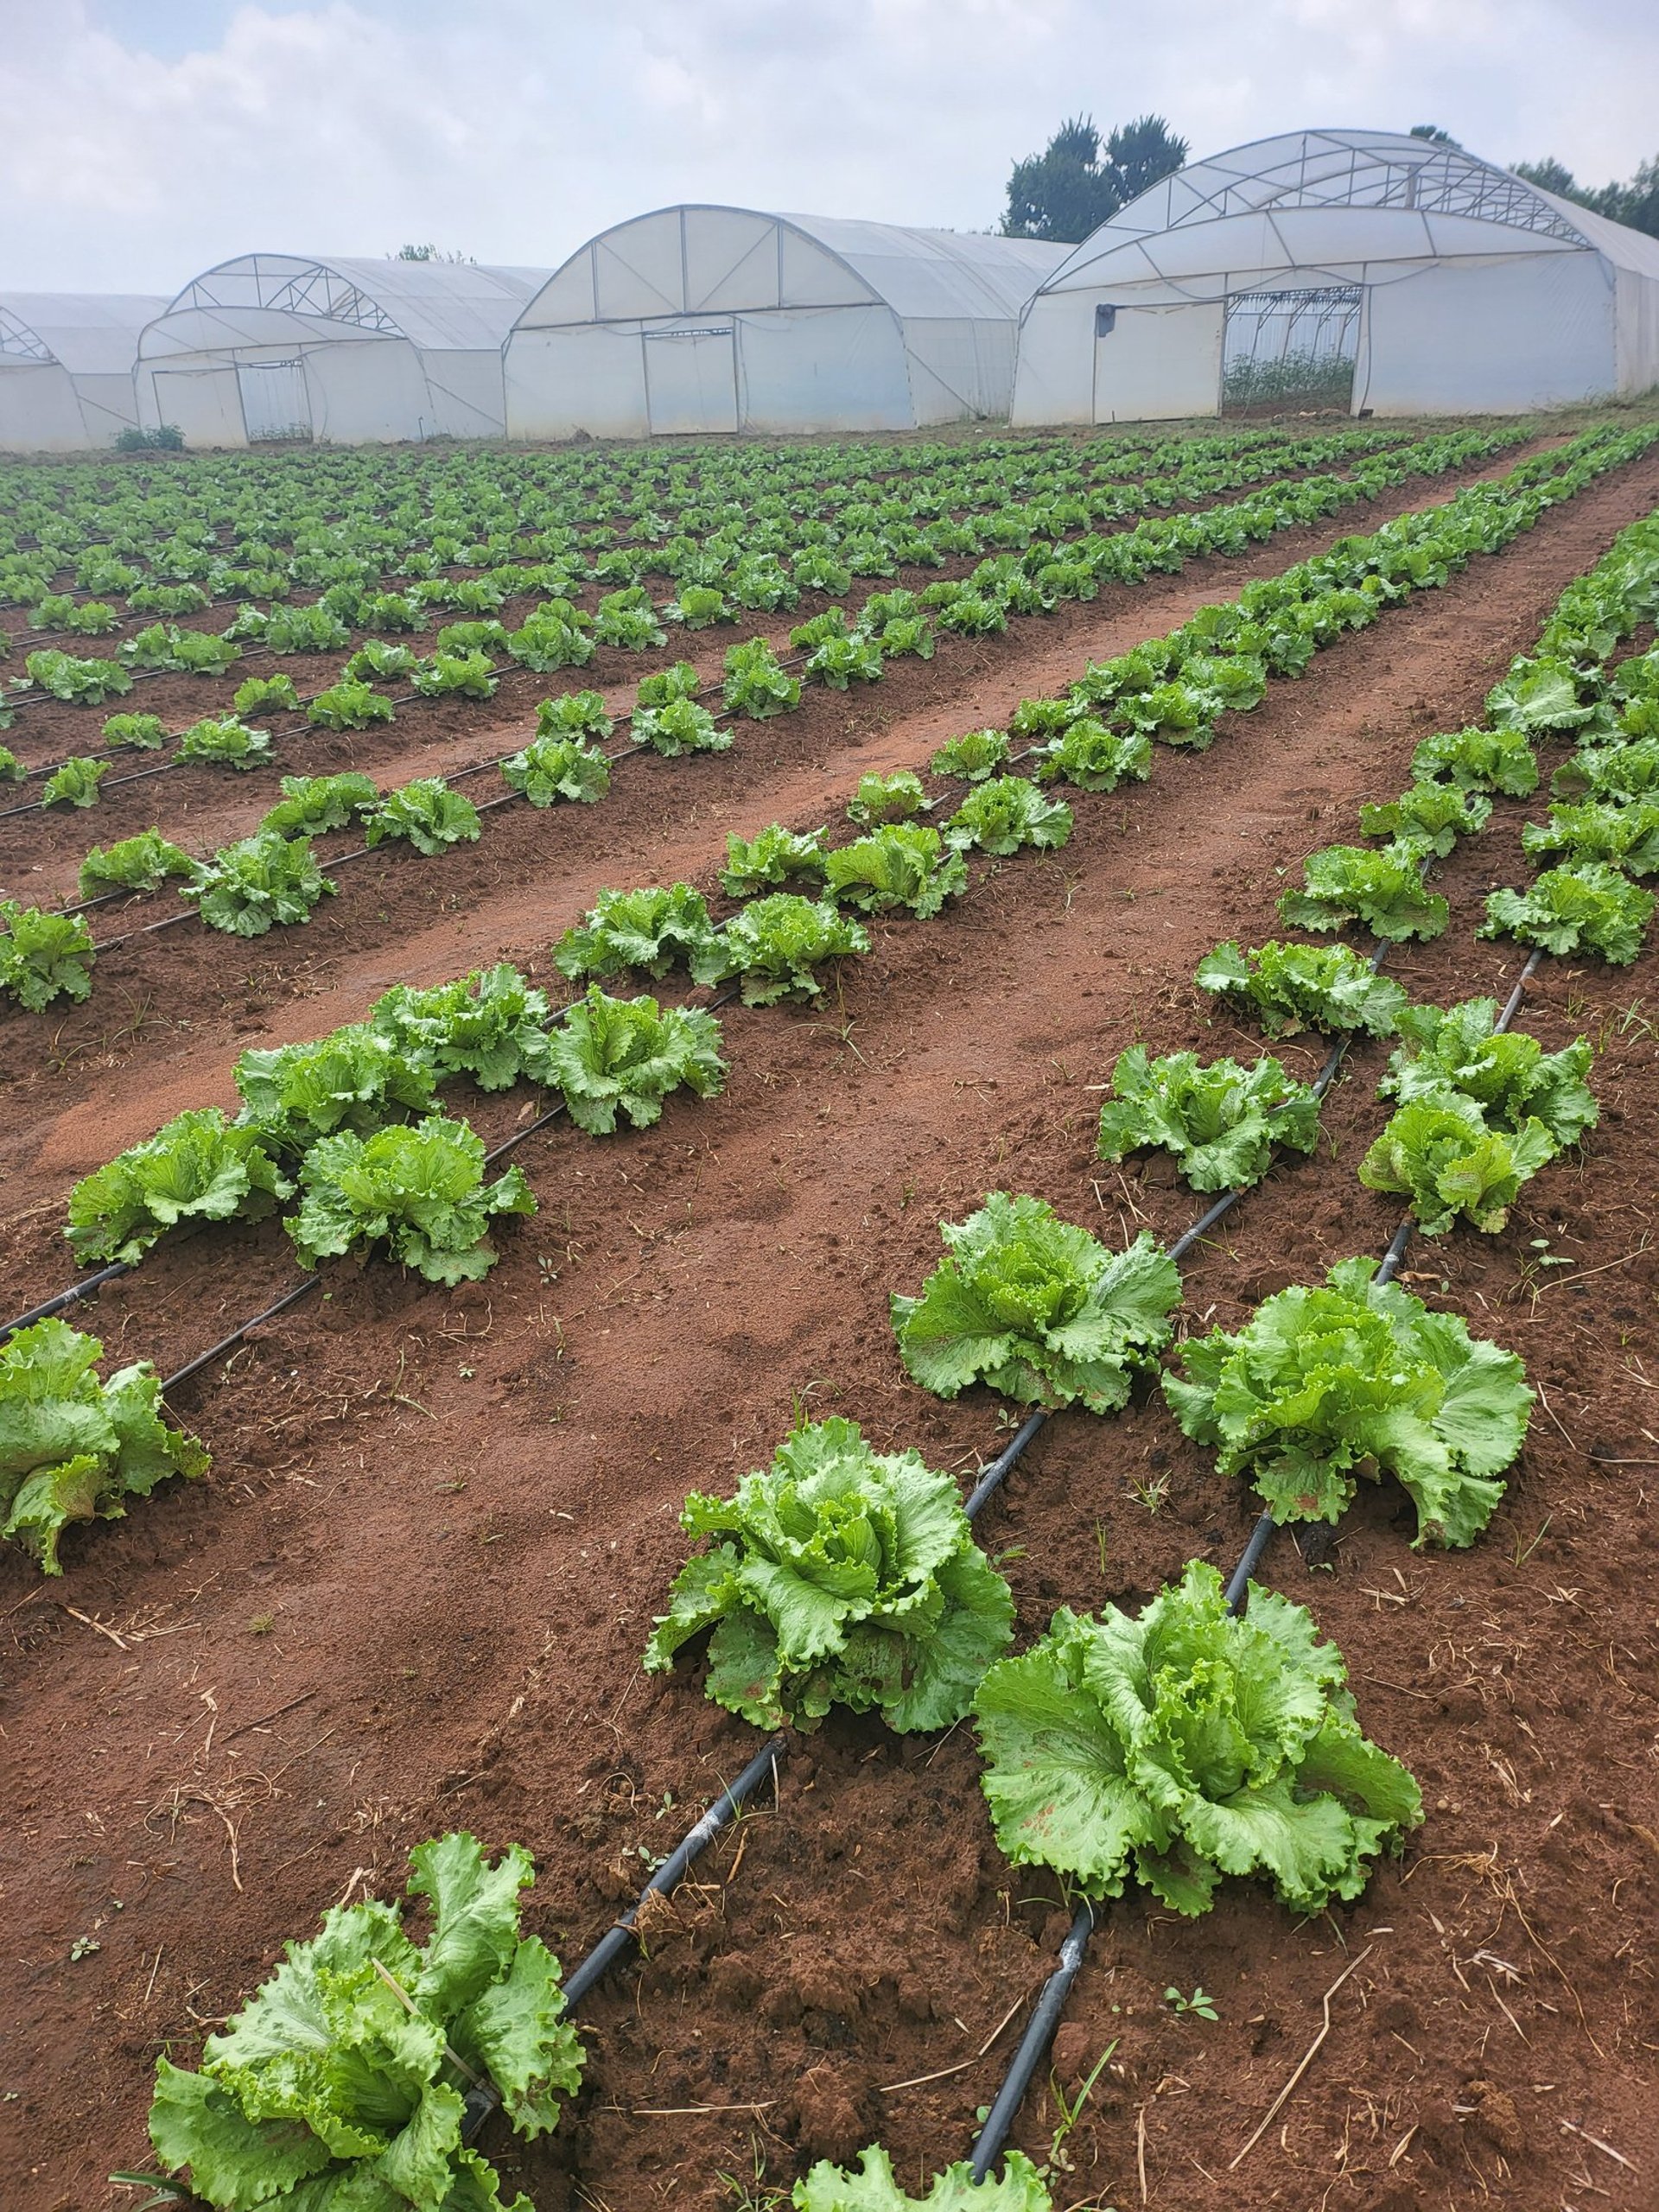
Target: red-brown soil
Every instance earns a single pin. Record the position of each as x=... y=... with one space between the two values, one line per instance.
x=412 y=1593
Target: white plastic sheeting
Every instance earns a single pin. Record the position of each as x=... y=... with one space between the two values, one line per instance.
x=709 y=319
x=1480 y=293
x=351 y=352
x=65 y=368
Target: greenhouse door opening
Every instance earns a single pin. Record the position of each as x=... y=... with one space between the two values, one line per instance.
x=691 y=380
x=1291 y=349
x=275 y=402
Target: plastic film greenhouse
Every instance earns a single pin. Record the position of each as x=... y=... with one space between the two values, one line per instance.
x=351 y=352
x=66 y=367
x=710 y=319
x=1383 y=274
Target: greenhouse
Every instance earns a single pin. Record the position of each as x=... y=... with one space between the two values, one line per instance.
x=1361 y=270
x=710 y=319
x=65 y=368
x=274 y=345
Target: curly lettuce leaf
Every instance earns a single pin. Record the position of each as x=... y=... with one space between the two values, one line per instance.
x=1186 y=1745
x=1508 y=1074
x=72 y=1448
x=773 y=946
x=1383 y=890
x=1588 y=907
x=625 y=1056
x=1323 y=1385
x=872 y=2188
x=654 y=929
x=839 y=1575
x=906 y=864
x=420 y=1190
x=491 y=1026
x=1036 y=1308
x=1290 y=987
x=1440 y=1153
x=1007 y=813
x=1221 y=1120
x=196 y=1168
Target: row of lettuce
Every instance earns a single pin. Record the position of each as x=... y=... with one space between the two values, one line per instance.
x=1170 y=690
x=714 y=583
x=174 y=542
x=557 y=634
x=1174 y=1748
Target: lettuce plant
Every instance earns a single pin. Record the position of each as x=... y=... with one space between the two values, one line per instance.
x=1428 y=816
x=1509 y=1075
x=1185 y=1744
x=11 y=768
x=147 y=732
x=1382 y=890
x=1220 y=1120
x=772 y=945
x=1289 y=988
x=901 y=635
x=463 y=676
x=887 y=798
x=1007 y=813
x=1625 y=836
x=1609 y=772
x=224 y=741
x=191 y=653
x=841 y=661
x=774 y=856
x=1539 y=694
x=1094 y=758
x=356 y=1077
x=43 y=955
x=341 y=2081
x=88 y=683
x=140 y=863
x=654 y=929
x=550 y=768
x=311 y=805
x=196 y=1168
x=296 y=630
x=1588 y=907
x=73 y=1448
x=90 y=618
x=977 y=754
x=574 y=713
x=755 y=684
x=1323 y=1385
x=624 y=1056
x=698 y=607
x=906 y=864
x=491 y=1026
x=1478 y=760
x=379 y=661
x=632 y=627
x=1036 y=1308
x=830 y=2188
x=265 y=694
x=263 y=880
x=418 y=1188
x=76 y=783
x=426 y=813
x=680 y=727
x=664 y=685
x=348 y=705
x=839 y=1575
x=1440 y=1153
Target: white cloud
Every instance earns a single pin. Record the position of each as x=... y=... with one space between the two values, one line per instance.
x=513 y=129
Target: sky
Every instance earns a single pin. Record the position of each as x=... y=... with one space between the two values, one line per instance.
x=142 y=141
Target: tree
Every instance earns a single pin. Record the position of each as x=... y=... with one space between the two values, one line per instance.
x=1435 y=135
x=1635 y=203
x=1071 y=187
x=428 y=252
x=1549 y=175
